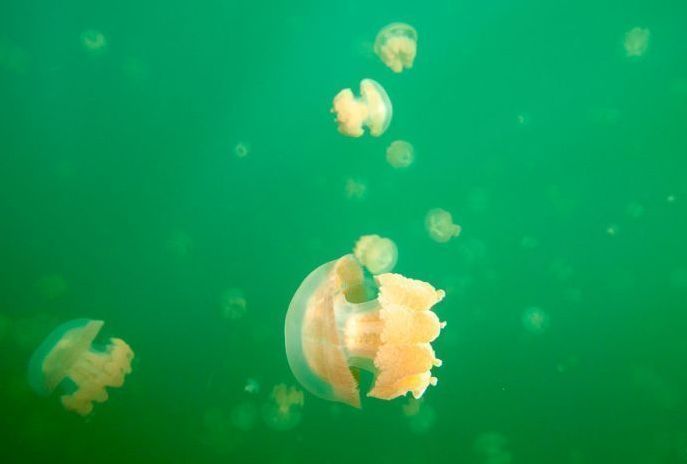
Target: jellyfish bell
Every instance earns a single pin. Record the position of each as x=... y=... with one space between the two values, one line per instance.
x=396 y=46
x=636 y=41
x=283 y=411
x=93 y=41
x=372 y=110
x=400 y=154
x=341 y=321
x=440 y=226
x=377 y=254
x=67 y=356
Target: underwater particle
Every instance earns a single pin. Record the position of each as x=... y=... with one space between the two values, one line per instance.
x=377 y=254
x=355 y=189
x=396 y=46
x=241 y=150
x=522 y=119
x=93 y=41
x=634 y=210
x=340 y=321
x=283 y=411
x=612 y=230
x=372 y=110
x=636 y=41
x=180 y=244
x=535 y=320
x=400 y=154
x=67 y=354
x=670 y=198
x=233 y=304
x=244 y=416
x=440 y=226
x=51 y=286
x=491 y=448
x=252 y=386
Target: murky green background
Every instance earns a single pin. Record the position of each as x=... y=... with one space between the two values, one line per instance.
x=564 y=161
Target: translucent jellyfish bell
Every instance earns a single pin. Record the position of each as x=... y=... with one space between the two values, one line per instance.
x=396 y=46
x=440 y=226
x=341 y=321
x=372 y=110
x=400 y=154
x=377 y=254
x=67 y=355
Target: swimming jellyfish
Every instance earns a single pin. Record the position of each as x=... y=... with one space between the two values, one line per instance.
x=377 y=254
x=396 y=46
x=636 y=41
x=400 y=154
x=233 y=304
x=67 y=358
x=440 y=226
x=283 y=412
x=340 y=321
x=93 y=41
x=372 y=110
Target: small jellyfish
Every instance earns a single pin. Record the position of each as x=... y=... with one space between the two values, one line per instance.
x=233 y=304
x=180 y=244
x=440 y=226
x=372 y=110
x=400 y=154
x=377 y=254
x=355 y=189
x=67 y=358
x=396 y=46
x=636 y=41
x=283 y=411
x=492 y=448
x=252 y=386
x=634 y=210
x=535 y=320
x=244 y=416
x=241 y=150
x=341 y=321
x=93 y=41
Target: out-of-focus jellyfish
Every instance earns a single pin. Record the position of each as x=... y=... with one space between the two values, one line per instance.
x=67 y=358
x=241 y=150
x=233 y=304
x=634 y=210
x=372 y=110
x=52 y=286
x=535 y=320
x=396 y=46
x=355 y=189
x=492 y=448
x=180 y=244
x=252 y=386
x=440 y=226
x=400 y=154
x=283 y=411
x=421 y=416
x=670 y=198
x=612 y=230
x=636 y=41
x=94 y=41
x=341 y=321
x=377 y=254
x=244 y=416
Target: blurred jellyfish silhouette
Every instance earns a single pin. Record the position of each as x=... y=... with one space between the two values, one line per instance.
x=634 y=210
x=535 y=320
x=372 y=110
x=244 y=416
x=252 y=386
x=66 y=358
x=179 y=244
x=421 y=416
x=355 y=189
x=217 y=431
x=636 y=41
x=377 y=254
x=400 y=154
x=491 y=447
x=396 y=46
x=342 y=320
x=233 y=304
x=93 y=41
x=241 y=150
x=283 y=410
x=440 y=226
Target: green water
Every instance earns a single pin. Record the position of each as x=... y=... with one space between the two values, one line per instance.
x=563 y=159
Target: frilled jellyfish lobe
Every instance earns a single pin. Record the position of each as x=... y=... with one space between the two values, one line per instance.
x=67 y=354
x=339 y=322
x=396 y=46
x=372 y=110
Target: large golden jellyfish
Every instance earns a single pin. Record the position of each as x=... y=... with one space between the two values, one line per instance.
x=67 y=358
x=396 y=46
x=341 y=321
x=372 y=110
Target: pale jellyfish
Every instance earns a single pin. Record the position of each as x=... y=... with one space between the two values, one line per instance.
x=400 y=154
x=67 y=358
x=535 y=320
x=341 y=321
x=440 y=226
x=492 y=448
x=377 y=254
x=636 y=41
x=372 y=110
x=93 y=41
x=180 y=244
x=283 y=411
x=244 y=416
x=396 y=46
x=634 y=210
x=233 y=304
x=241 y=150
x=252 y=386
x=355 y=189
